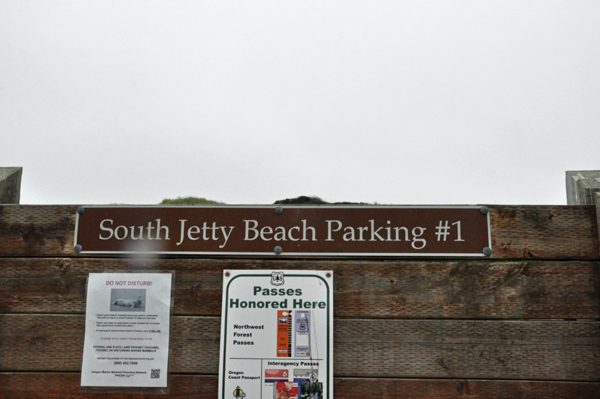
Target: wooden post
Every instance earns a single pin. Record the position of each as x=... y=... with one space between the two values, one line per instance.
x=598 y=213
x=10 y=185
x=582 y=186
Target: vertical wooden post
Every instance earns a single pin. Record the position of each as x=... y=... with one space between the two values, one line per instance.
x=598 y=214
x=582 y=186
x=10 y=185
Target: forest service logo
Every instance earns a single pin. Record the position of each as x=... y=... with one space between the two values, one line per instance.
x=277 y=278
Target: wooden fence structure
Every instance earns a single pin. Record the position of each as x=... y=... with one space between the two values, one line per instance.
x=522 y=323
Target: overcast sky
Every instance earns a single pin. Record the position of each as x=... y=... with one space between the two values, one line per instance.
x=248 y=102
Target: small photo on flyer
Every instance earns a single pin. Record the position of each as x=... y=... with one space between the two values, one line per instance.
x=127 y=300
x=311 y=390
x=285 y=390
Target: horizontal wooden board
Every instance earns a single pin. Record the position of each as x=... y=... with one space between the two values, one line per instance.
x=393 y=388
x=518 y=232
x=405 y=289
x=550 y=232
x=66 y=386
x=531 y=350
x=37 y=230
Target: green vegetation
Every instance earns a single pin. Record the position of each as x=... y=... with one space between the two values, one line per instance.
x=314 y=200
x=302 y=200
x=190 y=201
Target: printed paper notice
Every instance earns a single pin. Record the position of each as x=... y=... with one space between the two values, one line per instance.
x=277 y=335
x=127 y=330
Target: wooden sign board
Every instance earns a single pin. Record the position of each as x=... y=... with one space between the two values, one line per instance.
x=321 y=231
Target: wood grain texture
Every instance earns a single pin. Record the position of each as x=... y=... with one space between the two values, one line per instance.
x=393 y=388
x=37 y=230
x=532 y=350
x=518 y=232
x=549 y=232
x=66 y=386
x=545 y=265
x=391 y=289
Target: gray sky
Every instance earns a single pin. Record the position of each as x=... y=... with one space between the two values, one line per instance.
x=420 y=102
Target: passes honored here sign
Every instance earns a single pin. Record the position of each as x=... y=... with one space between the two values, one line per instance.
x=276 y=334
x=285 y=231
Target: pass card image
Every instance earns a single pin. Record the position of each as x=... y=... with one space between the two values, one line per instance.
x=302 y=338
x=310 y=390
x=286 y=390
x=284 y=333
x=274 y=375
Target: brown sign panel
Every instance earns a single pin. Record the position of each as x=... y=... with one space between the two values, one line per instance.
x=285 y=231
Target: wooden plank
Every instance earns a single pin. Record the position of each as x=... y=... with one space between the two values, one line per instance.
x=531 y=350
x=37 y=230
x=393 y=388
x=597 y=199
x=66 y=386
x=405 y=289
x=468 y=349
x=548 y=232
x=530 y=232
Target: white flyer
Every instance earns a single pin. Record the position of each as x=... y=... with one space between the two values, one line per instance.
x=276 y=334
x=127 y=330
